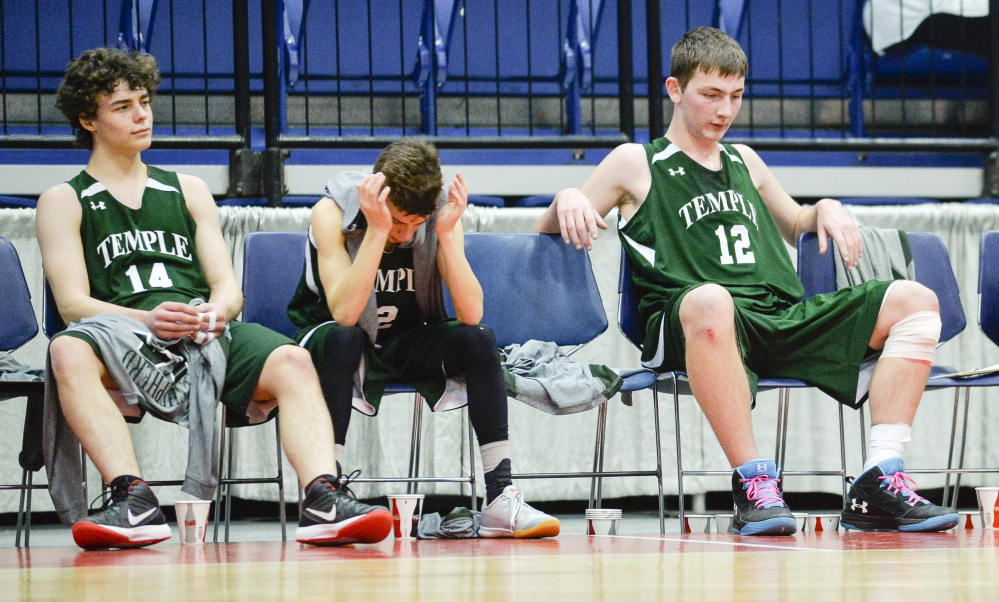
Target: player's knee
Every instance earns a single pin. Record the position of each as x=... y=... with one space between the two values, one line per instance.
x=346 y=344
x=909 y=297
x=707 y=307
x=475 y=341
x=71 y=357
x=292 y=363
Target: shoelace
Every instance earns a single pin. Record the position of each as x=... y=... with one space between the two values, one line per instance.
x=107 y=498
x=903 y=484
x=763 y=490
x=342 y=480
x=518 y=502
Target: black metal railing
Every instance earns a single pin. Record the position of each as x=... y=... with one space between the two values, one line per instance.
x=497 y=74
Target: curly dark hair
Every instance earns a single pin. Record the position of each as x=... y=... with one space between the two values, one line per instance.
x=97 y=72
x=413 y=171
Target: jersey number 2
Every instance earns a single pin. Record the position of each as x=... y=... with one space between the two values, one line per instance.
x=158 y=278
x=742 y=253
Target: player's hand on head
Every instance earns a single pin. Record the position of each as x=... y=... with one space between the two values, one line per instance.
x=578 y=221
x=457 y=201
x=833 y=222
x=172 y=320
x=373 y=199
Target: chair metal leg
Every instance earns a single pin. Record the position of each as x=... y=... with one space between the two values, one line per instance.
x=473 y=501
x=414 y=449
x=960 y=459
x=24 y=510
x=863 y=437
x=781 y=408
x=221 y=485
x=596 y=482
x=950 y=449
x=842 y=452
x=659 y=461
x=228 y=488
x=679 y=459
x=280 y=476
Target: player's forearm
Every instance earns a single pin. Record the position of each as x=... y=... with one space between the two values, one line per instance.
x=349 y=294
x=466 y=292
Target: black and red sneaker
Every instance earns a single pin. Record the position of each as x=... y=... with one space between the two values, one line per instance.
x=130 y=519
x=332 y=516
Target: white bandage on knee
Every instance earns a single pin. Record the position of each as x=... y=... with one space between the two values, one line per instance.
x=914 y=337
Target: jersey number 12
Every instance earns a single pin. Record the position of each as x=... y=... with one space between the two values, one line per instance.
x=740 y=234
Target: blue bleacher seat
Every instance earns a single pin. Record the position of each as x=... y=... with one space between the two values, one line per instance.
x=485 y=200
x=537 y=200
x=16 y=201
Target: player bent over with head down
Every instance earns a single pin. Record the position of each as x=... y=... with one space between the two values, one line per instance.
x=381 y=246
x=703 y=225
x=138 y=267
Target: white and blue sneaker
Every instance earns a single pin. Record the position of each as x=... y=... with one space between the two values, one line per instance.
x=759 y=505
x=884 y=498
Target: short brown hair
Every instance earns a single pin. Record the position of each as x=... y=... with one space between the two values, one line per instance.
x=413 y=171
x=97 y=72
x=706 y=49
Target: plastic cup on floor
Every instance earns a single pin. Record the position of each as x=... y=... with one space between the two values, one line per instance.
x=406 y=512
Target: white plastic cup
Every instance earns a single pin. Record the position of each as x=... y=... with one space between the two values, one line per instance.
x=603 y=521
x=988 y=506
x=407 y=508
x=192 y=517
x=697 y=523
x=970 y=520
x=822 y=522
x=723 y=522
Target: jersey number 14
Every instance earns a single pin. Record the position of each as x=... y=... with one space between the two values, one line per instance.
x=158 y=277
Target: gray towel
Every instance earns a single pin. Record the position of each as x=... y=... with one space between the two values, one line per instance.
x=541 y=376
x=886 y=256
x=460 y=523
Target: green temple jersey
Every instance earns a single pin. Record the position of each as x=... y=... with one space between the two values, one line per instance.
x=698 y=226
x=142 y=257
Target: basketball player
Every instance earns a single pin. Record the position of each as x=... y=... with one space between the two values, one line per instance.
x=704 y=225
x=138 y=266
x=381 y=246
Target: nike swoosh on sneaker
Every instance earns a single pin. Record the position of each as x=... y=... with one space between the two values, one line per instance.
x=135 y=520
x=326 y=516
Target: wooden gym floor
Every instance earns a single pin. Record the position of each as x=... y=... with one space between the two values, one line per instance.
x=830 y=565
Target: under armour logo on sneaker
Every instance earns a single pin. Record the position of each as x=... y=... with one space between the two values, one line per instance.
x=676 y=172
x=96 y=206
x=862 y=505
x=761 y=468
x=326 y=516
x=135 y=520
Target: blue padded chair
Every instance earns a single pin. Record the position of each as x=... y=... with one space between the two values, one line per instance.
x=537 y=287
x=14 y=202
x=676 y=382
x=933 y=270
x=17 y=328
x=273 y=263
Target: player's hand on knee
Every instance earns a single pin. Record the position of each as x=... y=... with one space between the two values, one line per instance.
x=578 y=221
x=172 y=320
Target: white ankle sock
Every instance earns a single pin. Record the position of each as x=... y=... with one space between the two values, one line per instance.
x=340 y=451
x=886 y=441
x=494 y=453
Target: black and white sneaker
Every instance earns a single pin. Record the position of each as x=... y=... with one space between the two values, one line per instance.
x=332 y=516
x=130 y=519
x=884 y=498
x=759 y=506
